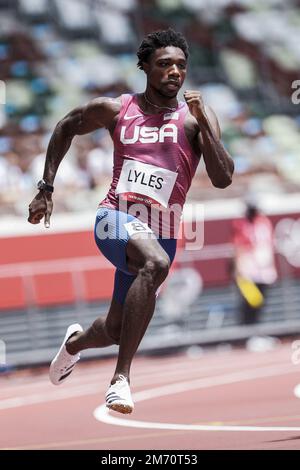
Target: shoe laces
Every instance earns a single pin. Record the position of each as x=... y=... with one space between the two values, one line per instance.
x=121 y=381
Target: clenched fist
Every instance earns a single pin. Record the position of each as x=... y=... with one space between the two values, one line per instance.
x=195 y=103
x=41 y=206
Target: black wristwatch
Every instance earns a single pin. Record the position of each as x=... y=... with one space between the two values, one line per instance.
x=43 y=186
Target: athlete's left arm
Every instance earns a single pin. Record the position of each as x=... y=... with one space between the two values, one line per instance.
x=219 y=165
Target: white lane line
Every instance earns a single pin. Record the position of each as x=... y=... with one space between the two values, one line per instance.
x=100 y=374
x=34 y=399
x=297 y=391
x=50 y=393
x=145 y=366
x=94 y=387
x=102 y=414
x=140 y=376
x=151 y=368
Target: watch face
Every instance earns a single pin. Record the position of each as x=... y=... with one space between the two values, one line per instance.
x=41 y=184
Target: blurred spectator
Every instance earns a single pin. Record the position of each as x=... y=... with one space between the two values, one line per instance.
x=254 y=264
x=244 y=56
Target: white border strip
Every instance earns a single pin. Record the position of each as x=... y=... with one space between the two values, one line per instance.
x=102 y=413
x=218 y=209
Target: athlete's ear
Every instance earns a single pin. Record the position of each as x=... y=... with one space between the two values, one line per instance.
x=146 y=67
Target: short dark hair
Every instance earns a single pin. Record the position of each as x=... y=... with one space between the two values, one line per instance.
x=159 y=39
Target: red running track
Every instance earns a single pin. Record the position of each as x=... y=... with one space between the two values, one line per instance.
x=219 y=400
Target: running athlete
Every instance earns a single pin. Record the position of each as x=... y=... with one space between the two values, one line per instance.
x=158 y=143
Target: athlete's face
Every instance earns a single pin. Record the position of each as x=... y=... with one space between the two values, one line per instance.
x=166 y=70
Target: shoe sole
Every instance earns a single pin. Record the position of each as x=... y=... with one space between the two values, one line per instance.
x=71 y=329
x=124 y=409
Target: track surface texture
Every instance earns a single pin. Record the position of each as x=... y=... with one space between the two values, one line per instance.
x=219 y=399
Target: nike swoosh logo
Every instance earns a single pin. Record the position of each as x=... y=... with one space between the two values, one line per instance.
x=131 y=117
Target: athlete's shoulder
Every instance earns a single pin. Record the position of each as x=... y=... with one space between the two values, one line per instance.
x=106 y=103
x=104 y=109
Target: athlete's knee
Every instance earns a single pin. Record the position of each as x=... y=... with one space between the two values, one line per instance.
x=156 y=269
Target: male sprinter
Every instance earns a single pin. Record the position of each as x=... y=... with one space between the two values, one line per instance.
x=158 y=143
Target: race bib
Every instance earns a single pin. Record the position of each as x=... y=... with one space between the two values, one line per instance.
x=137 y=227
x=144 y=183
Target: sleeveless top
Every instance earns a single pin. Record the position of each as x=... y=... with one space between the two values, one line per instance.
x=154 y=165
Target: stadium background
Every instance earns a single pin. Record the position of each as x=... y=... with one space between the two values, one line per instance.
x=57 y=54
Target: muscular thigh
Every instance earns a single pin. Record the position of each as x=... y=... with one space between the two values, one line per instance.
x=140 y=248
x=136 y=256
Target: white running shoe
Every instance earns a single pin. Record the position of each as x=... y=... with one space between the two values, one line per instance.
x=64 y=363
x=118 y=396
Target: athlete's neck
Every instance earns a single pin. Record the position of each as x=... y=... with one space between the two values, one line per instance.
x=159 y=103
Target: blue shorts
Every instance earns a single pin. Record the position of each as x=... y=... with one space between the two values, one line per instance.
x=112 y=232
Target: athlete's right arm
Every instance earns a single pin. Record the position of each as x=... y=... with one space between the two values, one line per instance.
x=98 y=113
